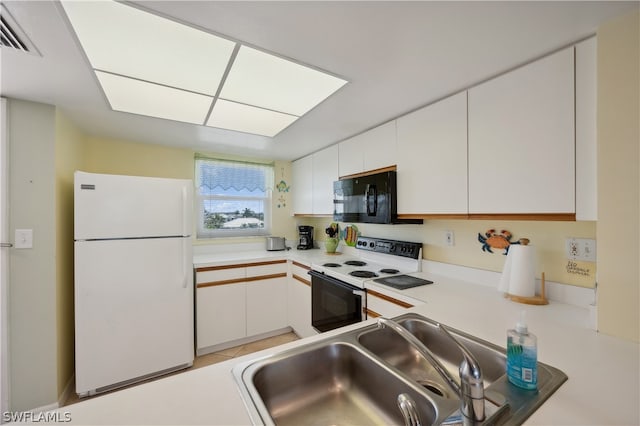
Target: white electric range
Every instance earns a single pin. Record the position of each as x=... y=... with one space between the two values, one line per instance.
x=373 y=258
x=338 y=295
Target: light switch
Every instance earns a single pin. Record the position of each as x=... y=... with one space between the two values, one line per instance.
x=24 y=239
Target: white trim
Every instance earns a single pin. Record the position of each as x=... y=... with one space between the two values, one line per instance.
x=4 y=278
x=242 y=341
x=564 y=293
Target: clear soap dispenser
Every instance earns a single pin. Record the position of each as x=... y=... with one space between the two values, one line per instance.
x=522 y=356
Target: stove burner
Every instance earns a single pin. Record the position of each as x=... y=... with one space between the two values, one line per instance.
x=363 y=274
x=332 y=265
x=389 y=271
x=355 y=263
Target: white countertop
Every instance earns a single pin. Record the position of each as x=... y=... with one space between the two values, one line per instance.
x=604 y=372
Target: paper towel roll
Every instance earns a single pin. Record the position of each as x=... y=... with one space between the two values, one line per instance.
x=503 y=285
x=518 y=277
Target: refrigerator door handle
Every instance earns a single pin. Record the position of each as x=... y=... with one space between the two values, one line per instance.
x=185 y=212
x=185 y=262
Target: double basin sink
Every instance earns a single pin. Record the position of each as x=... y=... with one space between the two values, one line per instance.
x=355 y=378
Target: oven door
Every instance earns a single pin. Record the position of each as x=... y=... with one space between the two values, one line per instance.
x=335 y=303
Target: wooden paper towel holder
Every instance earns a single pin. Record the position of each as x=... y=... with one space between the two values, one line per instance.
x=534 y=300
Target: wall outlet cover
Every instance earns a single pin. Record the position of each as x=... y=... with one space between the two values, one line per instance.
x=449 y=238
x=583 y=249
x=23 y=239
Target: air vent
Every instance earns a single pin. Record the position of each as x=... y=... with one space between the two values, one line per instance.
x=11 y=35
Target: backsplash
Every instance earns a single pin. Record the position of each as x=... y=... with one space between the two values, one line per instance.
x=548 y=238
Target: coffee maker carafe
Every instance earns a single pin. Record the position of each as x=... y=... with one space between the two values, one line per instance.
x=305 y=234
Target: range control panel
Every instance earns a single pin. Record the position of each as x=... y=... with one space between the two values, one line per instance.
x=392 y=247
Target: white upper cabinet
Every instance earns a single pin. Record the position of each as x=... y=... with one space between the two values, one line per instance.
x=350 y=156
x=586 y=137
x=373 y=149
x=521 y=139
x=302 y=185
x=380 y=147
x=432 y=158
x=325 y=172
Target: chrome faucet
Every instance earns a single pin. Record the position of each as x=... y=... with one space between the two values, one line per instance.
x=471 y=388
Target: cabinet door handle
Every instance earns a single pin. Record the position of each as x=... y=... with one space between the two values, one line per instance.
x=7 y=245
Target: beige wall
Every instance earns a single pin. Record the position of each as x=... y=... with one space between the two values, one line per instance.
x=41 y=331
x=137 y=159
x=69 y=155
x=618 y=178
x=132 y=158
x=547 y=237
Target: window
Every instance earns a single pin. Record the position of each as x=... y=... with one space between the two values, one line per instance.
x=234 y=198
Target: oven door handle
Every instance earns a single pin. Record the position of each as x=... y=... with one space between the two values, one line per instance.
x=363 y=304
x=335 y=281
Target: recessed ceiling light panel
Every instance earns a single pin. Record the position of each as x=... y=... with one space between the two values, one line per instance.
x=265 y=80
x=153 y=66
x=248 y=119
x=139 y=97
x=124 y=40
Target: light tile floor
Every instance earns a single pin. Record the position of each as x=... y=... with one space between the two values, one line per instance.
x=213 y=358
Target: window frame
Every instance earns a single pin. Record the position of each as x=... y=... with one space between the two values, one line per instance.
x=203 y=233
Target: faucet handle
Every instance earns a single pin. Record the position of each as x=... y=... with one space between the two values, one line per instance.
x=471 y=382
x=409 y=410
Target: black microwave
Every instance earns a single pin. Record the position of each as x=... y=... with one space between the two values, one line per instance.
x=367 y=199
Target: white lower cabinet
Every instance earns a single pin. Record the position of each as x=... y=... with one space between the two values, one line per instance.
x=380 y=304
x=220 y=314
x=266 y=305
x=235 y=302
x=299 y=300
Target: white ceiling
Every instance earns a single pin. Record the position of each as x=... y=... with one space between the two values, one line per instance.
x=397 y=56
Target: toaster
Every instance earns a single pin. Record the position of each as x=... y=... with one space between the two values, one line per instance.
x=275 y=243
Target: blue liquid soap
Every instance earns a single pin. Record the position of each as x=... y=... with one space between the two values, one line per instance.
x=522 y=356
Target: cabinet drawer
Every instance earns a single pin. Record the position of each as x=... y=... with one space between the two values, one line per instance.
x=267 y=268
x=379 y=304
x=210 y=275
x=299 y=272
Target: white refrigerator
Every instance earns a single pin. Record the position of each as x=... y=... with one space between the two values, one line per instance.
x=133 y=279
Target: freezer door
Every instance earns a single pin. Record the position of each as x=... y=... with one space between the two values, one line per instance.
x=133 y=309
x=115 y=206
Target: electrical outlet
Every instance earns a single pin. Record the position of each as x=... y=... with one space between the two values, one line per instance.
x=583 y=249
x=449 y=238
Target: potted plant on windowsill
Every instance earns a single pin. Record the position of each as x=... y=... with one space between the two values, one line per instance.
x=333 y=233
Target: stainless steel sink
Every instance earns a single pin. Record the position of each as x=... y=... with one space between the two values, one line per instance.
x=355 y=378
x=333 y=382
x=397 y=352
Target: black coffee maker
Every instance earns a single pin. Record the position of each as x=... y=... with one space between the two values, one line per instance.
x=305 y=237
